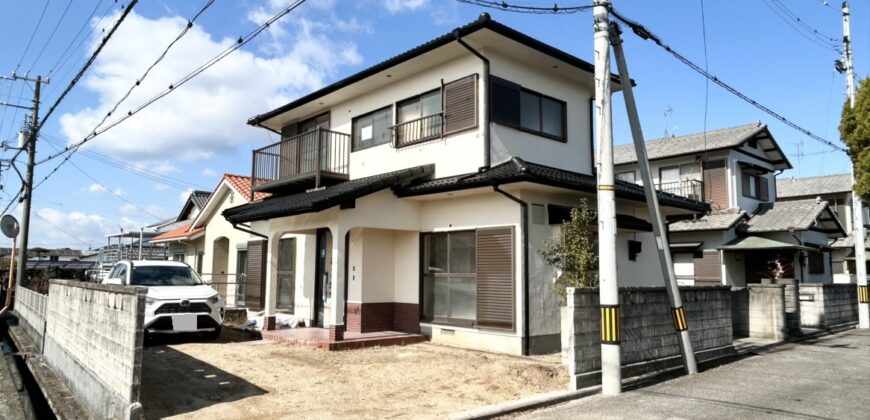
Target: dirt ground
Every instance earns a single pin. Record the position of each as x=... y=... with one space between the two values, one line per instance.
x=237 y=377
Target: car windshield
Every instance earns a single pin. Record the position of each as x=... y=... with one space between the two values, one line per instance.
x=156 y=275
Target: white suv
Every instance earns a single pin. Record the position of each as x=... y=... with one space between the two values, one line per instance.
x=178 y=301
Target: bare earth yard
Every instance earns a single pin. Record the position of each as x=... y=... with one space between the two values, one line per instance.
x=235 y=378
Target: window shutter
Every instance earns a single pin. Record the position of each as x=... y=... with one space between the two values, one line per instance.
x=495 y=277
x=460 y=104
x=504 y=101
x=762 y=189
x=255 y=290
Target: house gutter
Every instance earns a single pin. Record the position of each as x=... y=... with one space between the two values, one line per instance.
x=247 y=229
x=486 y=108
x=525 y=233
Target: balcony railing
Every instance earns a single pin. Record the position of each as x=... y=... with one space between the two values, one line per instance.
x=310 y=159
x=689 y=188
x=417 y=131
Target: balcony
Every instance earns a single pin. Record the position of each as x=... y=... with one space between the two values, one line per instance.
x=314 y=159
x=689 y=188
x=417 y=131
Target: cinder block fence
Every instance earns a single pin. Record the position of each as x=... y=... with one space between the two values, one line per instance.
x=649 y=341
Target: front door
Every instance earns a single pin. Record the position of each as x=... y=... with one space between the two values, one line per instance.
x=323 y=283
x=286 y=274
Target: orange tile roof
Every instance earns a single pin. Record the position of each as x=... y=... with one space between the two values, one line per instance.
x=242 y=184
x=181 y=232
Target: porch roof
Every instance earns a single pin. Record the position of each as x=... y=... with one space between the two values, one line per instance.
x=518 y=170
x=322 y=199
x=756 y=242
x=180 y=233
x=716 y=220
x=784 y=216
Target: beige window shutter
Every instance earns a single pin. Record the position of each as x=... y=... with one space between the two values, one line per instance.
x=460 y=104
x=495 y=277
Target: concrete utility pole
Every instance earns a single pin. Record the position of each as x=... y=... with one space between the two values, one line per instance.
x=652 y=201
x=857 y=208
x=27 y=186
x=611 y=363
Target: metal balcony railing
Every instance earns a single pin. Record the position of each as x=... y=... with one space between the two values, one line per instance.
x=417 y=131
x=316 y=154
x=689 y=188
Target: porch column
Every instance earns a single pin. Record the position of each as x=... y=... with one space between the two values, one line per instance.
x=271 y=279
x=336 y=321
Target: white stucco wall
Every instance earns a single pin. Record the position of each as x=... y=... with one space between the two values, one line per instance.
x=217 y=227
x=735 y=176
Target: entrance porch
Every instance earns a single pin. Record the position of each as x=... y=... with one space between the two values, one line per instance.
x=320 y=338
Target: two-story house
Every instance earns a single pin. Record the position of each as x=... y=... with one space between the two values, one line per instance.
x=837 y=191
x=414 y=195
x=747 y=236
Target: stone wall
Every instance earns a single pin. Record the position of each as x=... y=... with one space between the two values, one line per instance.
x=828 y=305
x=759 y=311
x=649 y=341
x=30 y=308
x=93 y=340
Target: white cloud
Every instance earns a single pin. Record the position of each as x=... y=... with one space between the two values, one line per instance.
x=53 y=229
x=182 y=197
x=396 y=6
x=160 y=187
x=128 y=208
x=205 y=117
x=96 y=188
x=209 y=173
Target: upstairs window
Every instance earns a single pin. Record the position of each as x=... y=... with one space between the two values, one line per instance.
x=425 y=105
x=372 y=129
x=755 y=186
x=527 y=110
x=418 y=119
x=627 y=177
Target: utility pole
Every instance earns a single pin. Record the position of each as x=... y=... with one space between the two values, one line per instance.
x=681 y=325
x=27 y=184
x=611 y=363
x=857 y=208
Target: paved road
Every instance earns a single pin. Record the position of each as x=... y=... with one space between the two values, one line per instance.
x=823 y=378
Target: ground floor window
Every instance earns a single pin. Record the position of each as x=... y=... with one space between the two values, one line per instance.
x=178 y=256
x=449 y=277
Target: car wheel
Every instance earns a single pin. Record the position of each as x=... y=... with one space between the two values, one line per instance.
x=213 y=335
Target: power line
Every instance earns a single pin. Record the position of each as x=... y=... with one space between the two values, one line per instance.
x=706 y=81
x=90 y=61
x=645 y=34
x=50 y=36
x=239 y=43
x=32 y=34
x=169 y=181
x=60 y=229
x=76 y=37
x=555 y=9
x=795 y=22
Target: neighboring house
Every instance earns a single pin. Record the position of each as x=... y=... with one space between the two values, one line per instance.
x=60 y=254
x=184 y=243
x=210 y=244
x=732 y=169
x=414 y=196
x=836 y=190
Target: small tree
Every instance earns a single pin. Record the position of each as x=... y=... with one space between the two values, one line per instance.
x=575 y=253
x=855 y=132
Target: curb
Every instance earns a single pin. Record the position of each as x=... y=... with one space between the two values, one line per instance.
x=535 y=401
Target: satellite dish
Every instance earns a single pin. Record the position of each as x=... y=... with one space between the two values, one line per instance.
x=9 y=225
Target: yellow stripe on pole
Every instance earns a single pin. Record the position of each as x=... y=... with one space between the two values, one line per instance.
x=604 y=187
x=680 y=319
x=610 y=324
x=863 y=294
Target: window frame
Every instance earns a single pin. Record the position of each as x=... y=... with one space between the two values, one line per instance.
x=418 y=97
x=447 y=321
x=518 y=126
x=816 y=263
x=633 y=176
x=354 y=147
x=754 y=181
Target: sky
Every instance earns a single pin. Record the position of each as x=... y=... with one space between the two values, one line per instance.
x=198 y=132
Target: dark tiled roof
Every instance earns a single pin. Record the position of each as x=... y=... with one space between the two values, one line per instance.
x=484 y=22
x=813 y=186
x=322 y=199
x=691 y=143
x=199 y=198
x=518 y=170
x=716 y=220
x=783 y=216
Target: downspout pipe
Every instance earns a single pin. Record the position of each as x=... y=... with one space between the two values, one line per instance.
x=525 y=233
x=486 y=108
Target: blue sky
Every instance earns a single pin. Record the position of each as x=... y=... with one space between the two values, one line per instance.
x=199 y=132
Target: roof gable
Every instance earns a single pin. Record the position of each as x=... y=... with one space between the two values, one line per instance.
x=802 y=215
x=230 y=185
x=813 y=186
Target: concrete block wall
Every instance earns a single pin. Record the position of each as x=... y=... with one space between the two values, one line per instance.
x=828 y=305
x=648 y=338
x=30 y=307
x=93 y=340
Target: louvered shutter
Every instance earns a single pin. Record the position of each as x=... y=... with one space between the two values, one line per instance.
x=762 y=189
x=255 y=290
x=460 y=104
x=495 y=277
